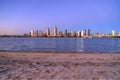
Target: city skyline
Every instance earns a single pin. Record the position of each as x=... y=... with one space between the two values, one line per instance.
x=20 y=16
x=86 y=33
x=56 y=33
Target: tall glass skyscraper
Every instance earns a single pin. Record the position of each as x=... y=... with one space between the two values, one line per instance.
x=55 y=31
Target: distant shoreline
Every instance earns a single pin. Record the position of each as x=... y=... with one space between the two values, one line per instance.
x=20 y=36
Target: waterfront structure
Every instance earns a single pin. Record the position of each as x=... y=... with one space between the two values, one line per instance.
x=79 y=34
x=60 y=34
x=48 y=32
x=113 y=32
x=69 y=34
x=119 y=34
x=89 y=34
x=55 y=31
x=32 y=33
x=65 y=34
x=73 y=34
x=85 y=33
x=82 y=33
x=40 y=33
x=37 y=33
x=101 y=35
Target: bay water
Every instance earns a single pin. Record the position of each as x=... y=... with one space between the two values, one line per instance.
x=30 y=44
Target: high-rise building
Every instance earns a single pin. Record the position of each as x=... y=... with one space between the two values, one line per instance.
x=32 y=34
x=65 y=34
x=73 y=34
x=113 y=32
x=89 y=34
x=48 y=32
x=79 y=34
x=85 y=33
x=37 y=32
x=82 y=33
x=55 y=31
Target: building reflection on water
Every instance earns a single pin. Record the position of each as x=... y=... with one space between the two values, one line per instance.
x=80 y=45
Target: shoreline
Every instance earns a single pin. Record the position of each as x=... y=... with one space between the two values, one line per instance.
x=39 y=65
x=53 y=56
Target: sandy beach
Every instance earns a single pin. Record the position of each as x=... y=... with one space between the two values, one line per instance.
x=59 y=66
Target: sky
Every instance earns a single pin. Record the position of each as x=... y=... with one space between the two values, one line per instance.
x=21 y=16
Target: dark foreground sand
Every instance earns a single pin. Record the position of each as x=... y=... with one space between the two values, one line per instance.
x=59 y=66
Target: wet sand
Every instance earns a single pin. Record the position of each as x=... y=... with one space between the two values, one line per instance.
x=62 y=66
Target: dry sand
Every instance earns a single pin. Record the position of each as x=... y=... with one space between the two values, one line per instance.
x=59 y=66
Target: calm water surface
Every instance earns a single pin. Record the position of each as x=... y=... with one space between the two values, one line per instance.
x=60 y=44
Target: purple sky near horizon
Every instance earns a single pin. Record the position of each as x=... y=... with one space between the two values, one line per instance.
x=20 y=16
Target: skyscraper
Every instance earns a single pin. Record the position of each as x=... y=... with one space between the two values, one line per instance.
x=113 y=32
x=48 y=32
x=85 y=33
x=82 y=33
x=89 y=34
x=79 y=34
x=65 y=34
x=55 y=31
x=73 y=34
x=37 y=32
x=32 y=33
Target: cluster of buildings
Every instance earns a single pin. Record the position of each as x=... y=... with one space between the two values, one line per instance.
x=106 y=35
x=115 y=34
x=86 y=33
x=83 y=33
